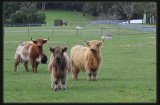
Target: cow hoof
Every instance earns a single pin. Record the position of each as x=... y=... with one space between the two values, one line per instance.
x=28 y=71
x=59 y=88
x=15 y=70
x=55 y=89
x=74 y=79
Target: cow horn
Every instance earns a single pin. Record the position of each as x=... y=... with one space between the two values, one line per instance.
x=84 y=39
x=103 y=40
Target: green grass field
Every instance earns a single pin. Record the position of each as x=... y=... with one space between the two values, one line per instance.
x=127 y=74
x=69 y=16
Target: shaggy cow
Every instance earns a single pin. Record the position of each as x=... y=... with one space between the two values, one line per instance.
x=59 y=67
x=29 y=51
x=44 y=59
x=86 y=59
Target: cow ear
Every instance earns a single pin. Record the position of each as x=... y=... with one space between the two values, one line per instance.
x=87 y=43
x=34 y=41
x=44 y=41
x=100 y=43
x=51 y=49
x=64 y=49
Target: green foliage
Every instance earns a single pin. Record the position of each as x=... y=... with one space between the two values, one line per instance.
x=41 y=18
x=91 y=8
x=27 y=13
x=8 y=9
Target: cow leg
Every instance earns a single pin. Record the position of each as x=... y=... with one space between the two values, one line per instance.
x=63 y=81
x=89 y=76
x=52 y=83
x=26 y=66
x=94 y=76
x=32 y=63
x=36 y=65
x=56 y=82
x=55 y=87
x=59 y=84
x=89 y=73
x=16 y=64
x=75 y=72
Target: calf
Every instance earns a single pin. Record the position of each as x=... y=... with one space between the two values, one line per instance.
x=29 y=51
x=59 y=67
x=86 y=59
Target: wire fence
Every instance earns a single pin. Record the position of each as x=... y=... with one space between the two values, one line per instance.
x=89 y=29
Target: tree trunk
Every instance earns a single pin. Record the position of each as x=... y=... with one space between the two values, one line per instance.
x=43 y=6
x=83 y=13
x=128 y=19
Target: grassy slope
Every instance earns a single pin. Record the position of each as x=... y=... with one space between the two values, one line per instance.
x=127 y=74
x=69 y=16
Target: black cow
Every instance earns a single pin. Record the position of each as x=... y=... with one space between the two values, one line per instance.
x=44 y=59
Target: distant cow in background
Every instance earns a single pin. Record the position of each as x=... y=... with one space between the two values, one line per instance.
x=59 y=67
x=86 y=59
x=44 y=59
x=29 y=51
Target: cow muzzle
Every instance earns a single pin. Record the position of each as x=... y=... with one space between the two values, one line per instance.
x=39 y=46
x=58 y=57
x=92 y=49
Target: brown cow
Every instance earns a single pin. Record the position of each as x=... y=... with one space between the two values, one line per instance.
x=29 y=51
x=59 y=67
x=86 y=59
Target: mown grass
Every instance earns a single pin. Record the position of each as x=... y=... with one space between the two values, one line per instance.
x=127 y=74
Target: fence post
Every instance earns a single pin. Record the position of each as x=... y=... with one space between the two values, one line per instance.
x=118 y=30
x=101 y=31
x=52 y=31
x=3 y=31
x=28 y=31
x=77 y=31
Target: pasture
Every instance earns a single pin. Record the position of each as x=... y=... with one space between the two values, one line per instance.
x=127 y=73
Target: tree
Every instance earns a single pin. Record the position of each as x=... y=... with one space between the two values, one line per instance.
x=127 y=8
x=8 y=9
x=91 y=8
x=27 y=14
x=148 y=8
x=41 y=18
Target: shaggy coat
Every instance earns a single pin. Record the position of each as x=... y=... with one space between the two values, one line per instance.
x=29 y=51
x=86 y=59
x=59 y=67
